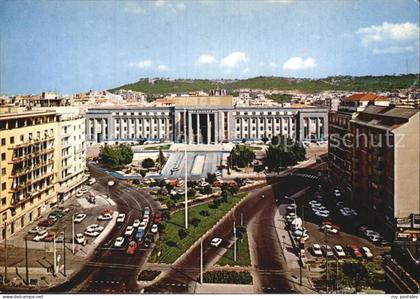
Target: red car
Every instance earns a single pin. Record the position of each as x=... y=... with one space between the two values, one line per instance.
x=47 y=222
x=157 y=219
x=354 y=251
x=132 y=246
x=331 y=223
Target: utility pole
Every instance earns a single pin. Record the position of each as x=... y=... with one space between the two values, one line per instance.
x=336 y=276
x=300 y=258
x=26 y=261
x=234 y=241
x=55 y=257
x=64 y=250
x=201 y=262
x=5 y=254
x=185 y=160
x=242 y=219
x=72 y=232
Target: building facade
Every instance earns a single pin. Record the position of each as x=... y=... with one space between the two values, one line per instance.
x=385 y=164
x=206 y=120
x=42 y=160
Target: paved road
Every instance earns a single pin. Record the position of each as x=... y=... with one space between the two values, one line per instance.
x=256 y=211
x=110 y=269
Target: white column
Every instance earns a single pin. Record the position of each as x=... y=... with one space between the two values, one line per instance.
x=289 y=127
x=94 y=130
x=143 y=127
x=265 y=127
x=281 y=126
x=318 y=133
x=249 y=127
x=257 y=126
x=242 y=128
x=208 y=129
x=158 y=125
x=128 y=128
x=216 y=127
x=190 y=128
x=273 y=126
x=222 y=123
x=198 y=128
x=136 y=128
x=103 y=129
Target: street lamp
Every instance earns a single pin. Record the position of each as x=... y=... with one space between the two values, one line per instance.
x=72 y=233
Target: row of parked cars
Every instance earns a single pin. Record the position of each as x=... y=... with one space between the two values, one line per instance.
x=339 y=251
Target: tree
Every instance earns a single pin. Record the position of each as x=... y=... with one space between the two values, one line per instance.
x=195 y=221
x=265 y=139
x=241 y=156
x=182 y=233
x=191 y=193
x=116 y=156
x=148 y=163
x=142 y=173
x=211 y=178
x=207 y=189
x=161 y=159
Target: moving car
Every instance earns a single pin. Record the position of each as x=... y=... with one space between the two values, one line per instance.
x=121 y=218
x=146 y=211
x=366 y=252
x=215 y=242
x=329 y=229
x=105 y=217
x=46 y=222
x=354 y=251
x=132 y=246
x=143 y=225
x=96 y=227
x=157 y=219
x=119 y=241
x=34 y=230
x=323 y=214
x=337 y=193
x=49 y=237
x=316 y=250
x=339 y=251
x=139 y=234
x=40 y=236
x=91 y=181
x=155 y=228
x=91 y=232
x=79 y=218
x=129 y=231
x=146 y=218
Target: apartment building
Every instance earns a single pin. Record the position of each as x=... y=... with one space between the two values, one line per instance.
x=385 y=164
x=340 y=137
x=42 y=161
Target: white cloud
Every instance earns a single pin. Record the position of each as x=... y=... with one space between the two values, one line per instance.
x=162 y=67
x=284 y=2
x=389 y=32
x=234 y=59
x=206 y=59
x=134 y=8
x=298 y=63
x=143 y=64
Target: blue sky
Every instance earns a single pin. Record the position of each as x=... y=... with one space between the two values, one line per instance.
x=72 y=46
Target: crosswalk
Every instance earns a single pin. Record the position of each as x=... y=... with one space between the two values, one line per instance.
x=307 y=176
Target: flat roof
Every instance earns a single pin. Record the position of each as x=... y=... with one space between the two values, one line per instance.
x=204 y=101
x=25 y=114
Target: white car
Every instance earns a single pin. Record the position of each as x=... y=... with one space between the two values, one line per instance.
x=366 y=252
x=303 y=237
x=154 y=228
x=337 y=193
x=314 y=202
x=375 y=238
x=119 y=242
x=369 y=232
x=105 y=217
x=300 y=231
x=129 y=231
x=79 y=238
x=146 y=218
x=216 y=242
x=121 y=218
x=79 y=194
x=146 y=211
x=339 y=251
x=291 y=207
x=142 y=225
x=322 y=214
x=34 y=230
x=317 y=209
x=316 y=250
x=79 y=218
x=91 y=232
x=91 y=181
x=96 y=227
x=40 y=236
x=329 y=229
x=136 y=223
x=180 y=183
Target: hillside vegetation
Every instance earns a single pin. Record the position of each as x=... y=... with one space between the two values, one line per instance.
x=344 y=83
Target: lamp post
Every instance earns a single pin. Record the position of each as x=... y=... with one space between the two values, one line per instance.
x=201 y=261
x=72 y=233
x=185 y=172
x=234 y=241
x=55 y=256
x=26 y=261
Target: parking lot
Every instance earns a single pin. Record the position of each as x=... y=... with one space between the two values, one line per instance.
x=347 y=226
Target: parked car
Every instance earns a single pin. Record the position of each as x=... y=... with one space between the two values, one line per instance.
x=91 y=181
x=157 y=219
x=129 y=231
x=155 y=228
x=323 y=214
x=146 y=211
x=143 y=225
x=91 y=232
x=139 y=234
x=215 y=242
x=49 y=237
x=132 y=246
x=60 y=238
x=375 y=239
x=79 y=194
x=136 y=223
x=80 y=239
x=146 y=218
x=105 y=217
x=316 y=250
x=34 y=230
x=329 y=229
x=337 y=193
x=40 y=236
x=339 y=251
x=327 y=251
x=121 y=218
x=354 y=251
x=79 y=218
x=96 y=227
x=119 y=241
x=366 y=252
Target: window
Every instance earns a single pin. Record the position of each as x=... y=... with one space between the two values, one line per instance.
x=3 y=156
x=3 y=186
x=22 y=138
x=3 y=171
x=3 y=141
x=12 y=140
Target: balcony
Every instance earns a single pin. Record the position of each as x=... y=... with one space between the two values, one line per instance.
x=27 y=170
x=31 y=142
x=16 y=160
x=65 y=145
x=26 y=184
x=24 y=198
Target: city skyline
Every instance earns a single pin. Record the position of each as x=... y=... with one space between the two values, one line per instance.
x=73 y=46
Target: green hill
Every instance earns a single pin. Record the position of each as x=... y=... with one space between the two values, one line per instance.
x=344 y=83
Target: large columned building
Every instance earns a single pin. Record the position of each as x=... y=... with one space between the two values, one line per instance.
x=204 y=120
